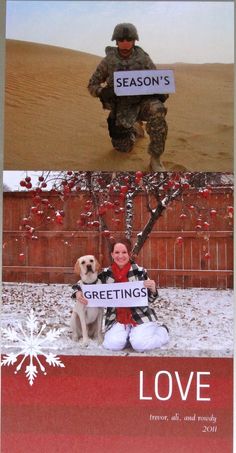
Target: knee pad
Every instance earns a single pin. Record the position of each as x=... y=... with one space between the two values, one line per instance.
x=124 y=144
x=155 y=108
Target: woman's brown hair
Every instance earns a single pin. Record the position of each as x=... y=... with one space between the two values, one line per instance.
x=121 y=240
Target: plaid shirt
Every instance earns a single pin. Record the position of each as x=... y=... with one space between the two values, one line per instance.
x=139 y=314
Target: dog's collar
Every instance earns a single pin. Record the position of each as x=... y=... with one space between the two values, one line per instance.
x=92 y=283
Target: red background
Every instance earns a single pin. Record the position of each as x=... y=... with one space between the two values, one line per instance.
x=92 y=405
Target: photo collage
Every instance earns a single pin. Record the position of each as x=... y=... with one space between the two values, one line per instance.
x=117 y=311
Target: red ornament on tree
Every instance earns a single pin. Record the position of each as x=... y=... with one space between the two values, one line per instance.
x=213 y=213
x=207 y=256
x=106 y=233
x=206 y=225
x=139 y=174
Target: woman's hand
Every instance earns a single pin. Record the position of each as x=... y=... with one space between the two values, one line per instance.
x=151 y=285
x=80 y=297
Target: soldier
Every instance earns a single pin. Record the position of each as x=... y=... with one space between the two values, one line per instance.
x=127 y=112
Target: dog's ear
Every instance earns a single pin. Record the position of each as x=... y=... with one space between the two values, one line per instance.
x=77 y=268
x=97 y=265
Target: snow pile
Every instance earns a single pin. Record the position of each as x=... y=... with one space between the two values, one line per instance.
x=200 y=320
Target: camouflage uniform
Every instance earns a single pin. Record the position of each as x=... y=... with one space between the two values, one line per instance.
x=127 y=110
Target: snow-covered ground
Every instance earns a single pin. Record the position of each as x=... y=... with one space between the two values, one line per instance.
x=200 y=320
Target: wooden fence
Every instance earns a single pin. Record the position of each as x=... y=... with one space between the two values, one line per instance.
x=51 y=257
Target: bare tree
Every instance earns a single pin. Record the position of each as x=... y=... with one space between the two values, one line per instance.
x=116 y=191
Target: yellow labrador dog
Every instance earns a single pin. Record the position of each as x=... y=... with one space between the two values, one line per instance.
x=86 y=322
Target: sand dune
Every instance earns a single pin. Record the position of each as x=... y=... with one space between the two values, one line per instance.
x=51 y=121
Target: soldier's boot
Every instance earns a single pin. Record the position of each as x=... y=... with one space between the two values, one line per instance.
x=157 y=130
x=155 y=163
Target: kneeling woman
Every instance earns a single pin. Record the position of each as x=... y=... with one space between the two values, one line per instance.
x=136 y=326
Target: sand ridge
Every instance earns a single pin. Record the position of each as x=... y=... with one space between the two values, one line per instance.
x=52 y=122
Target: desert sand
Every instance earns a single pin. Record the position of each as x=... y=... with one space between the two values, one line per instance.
x=52 y=122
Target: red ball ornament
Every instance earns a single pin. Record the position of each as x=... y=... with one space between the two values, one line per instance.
x=21 y=257
x=124 y=189
x=45 y=201
x=66 y=189
x=24 y=221
x=179 y=240
x=176 y=185
x=206 y=225
x=171 y=183
x=59 y=219
x=106 y=233
x=213 y=213
x=207 y=256
x=206 y=193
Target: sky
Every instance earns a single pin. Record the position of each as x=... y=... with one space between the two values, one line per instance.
x=12 y=178
x=170 y=31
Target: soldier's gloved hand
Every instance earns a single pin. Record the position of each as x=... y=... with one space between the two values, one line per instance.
x=162 y=97
x=106 y=94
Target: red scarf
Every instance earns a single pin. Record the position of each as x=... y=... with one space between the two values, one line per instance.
x=123 y=315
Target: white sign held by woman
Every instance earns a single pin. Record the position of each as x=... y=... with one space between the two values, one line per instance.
x=129 y=294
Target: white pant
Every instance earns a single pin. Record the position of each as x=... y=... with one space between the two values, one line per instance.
x=142 y=337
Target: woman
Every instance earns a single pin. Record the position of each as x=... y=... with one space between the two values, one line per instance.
x=136 y=325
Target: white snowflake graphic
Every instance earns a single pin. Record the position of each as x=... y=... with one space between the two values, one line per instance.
x=31 y=344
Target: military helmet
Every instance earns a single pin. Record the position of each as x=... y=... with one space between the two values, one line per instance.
x=122 y=31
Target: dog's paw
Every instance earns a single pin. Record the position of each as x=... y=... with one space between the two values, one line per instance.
x=84 y=343
x=75 y=338
x=100 y=339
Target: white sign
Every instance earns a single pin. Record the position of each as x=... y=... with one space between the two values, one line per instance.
x=154 y=81
x=129 y=294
